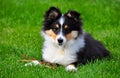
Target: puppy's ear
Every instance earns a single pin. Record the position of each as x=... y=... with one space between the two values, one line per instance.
x=52 y=13
x=73 y=14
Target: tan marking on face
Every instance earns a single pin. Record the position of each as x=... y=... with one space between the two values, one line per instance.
x=72 y=35
x=57 y=26
x=66 y=27
x=51 y=33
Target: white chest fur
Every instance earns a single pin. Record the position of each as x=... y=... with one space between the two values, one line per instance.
x=62 y=55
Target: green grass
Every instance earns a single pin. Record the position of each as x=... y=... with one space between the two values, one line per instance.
x=20 y=24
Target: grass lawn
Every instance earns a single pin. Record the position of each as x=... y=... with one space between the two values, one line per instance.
x=20 y=24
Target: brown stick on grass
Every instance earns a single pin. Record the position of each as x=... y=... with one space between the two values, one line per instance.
x=46 y=64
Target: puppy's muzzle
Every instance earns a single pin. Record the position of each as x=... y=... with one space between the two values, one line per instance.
x=60 y=41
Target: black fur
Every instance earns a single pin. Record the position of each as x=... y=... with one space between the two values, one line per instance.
x=74 y=21
x=51 y=16
x=92 y=50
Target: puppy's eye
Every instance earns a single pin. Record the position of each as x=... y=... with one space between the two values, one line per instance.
x=67 y=30
x=55 y=29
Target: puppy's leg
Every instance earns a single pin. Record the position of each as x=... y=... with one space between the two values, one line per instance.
x=37 y=62
x=31 y=62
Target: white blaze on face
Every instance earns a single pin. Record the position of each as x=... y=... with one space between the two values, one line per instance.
x=60 y=35
x=61 y=20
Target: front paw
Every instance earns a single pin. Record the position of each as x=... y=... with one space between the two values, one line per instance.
x=71 y=67
x=33 y=63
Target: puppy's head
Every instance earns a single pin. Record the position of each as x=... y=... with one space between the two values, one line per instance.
x=62 y=28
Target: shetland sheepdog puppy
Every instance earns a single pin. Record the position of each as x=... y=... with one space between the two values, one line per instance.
x=65 y=42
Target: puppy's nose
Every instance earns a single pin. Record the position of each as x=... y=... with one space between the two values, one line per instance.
x=60 y=40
